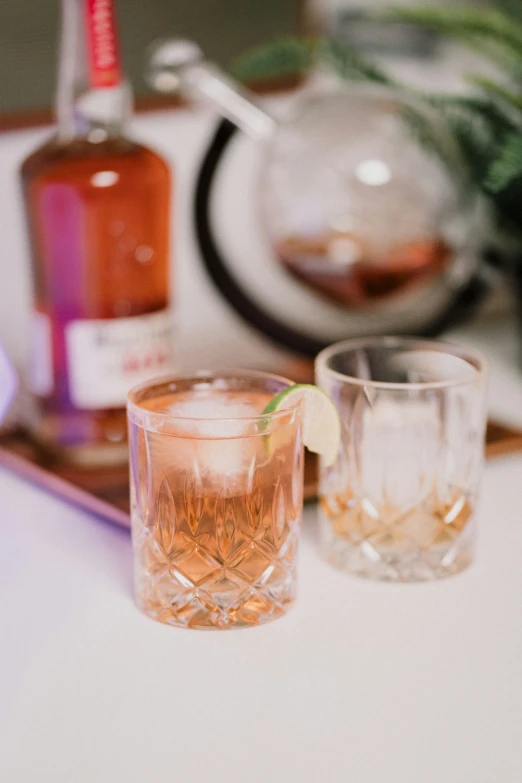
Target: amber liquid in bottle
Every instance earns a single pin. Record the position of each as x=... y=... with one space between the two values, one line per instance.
x=98 y=209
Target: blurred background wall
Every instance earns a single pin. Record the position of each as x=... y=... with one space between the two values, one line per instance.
x=223 y=28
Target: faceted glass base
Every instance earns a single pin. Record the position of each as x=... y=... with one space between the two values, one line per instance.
x=196 y=615
x=255 y=587
x=392 y=556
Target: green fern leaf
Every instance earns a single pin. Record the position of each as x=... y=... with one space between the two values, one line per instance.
x=489 y=110
x=480 y=129
x=492 y=33
x=507 y=167
x=463 y=23
x=498 y=91
x=511 y=8
x=348 y=63
x=293 y=56
x=287 y=56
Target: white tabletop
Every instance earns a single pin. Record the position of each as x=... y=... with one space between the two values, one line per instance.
x=362 y=681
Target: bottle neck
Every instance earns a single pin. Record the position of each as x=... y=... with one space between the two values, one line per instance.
x=93 y=99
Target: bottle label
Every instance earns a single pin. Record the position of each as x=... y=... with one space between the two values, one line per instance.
x=102 y=44
x=106 y=358
x=41 y=380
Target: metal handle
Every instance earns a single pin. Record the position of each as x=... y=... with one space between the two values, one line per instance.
x=177 y=65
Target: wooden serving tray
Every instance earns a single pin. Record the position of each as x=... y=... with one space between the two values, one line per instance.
x=105 y=491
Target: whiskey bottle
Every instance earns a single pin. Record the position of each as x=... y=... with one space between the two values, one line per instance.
x=98 y=211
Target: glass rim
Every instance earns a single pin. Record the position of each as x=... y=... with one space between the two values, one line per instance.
x=200 y=375
x=469 y=355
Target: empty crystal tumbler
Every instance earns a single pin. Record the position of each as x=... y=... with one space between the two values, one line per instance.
x=399 y=502
x=216 y=496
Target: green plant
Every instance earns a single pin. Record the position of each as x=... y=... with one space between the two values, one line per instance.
x=488 y=127
x=487 y=123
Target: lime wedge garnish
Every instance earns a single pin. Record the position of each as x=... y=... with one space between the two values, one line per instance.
x=321 y=423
